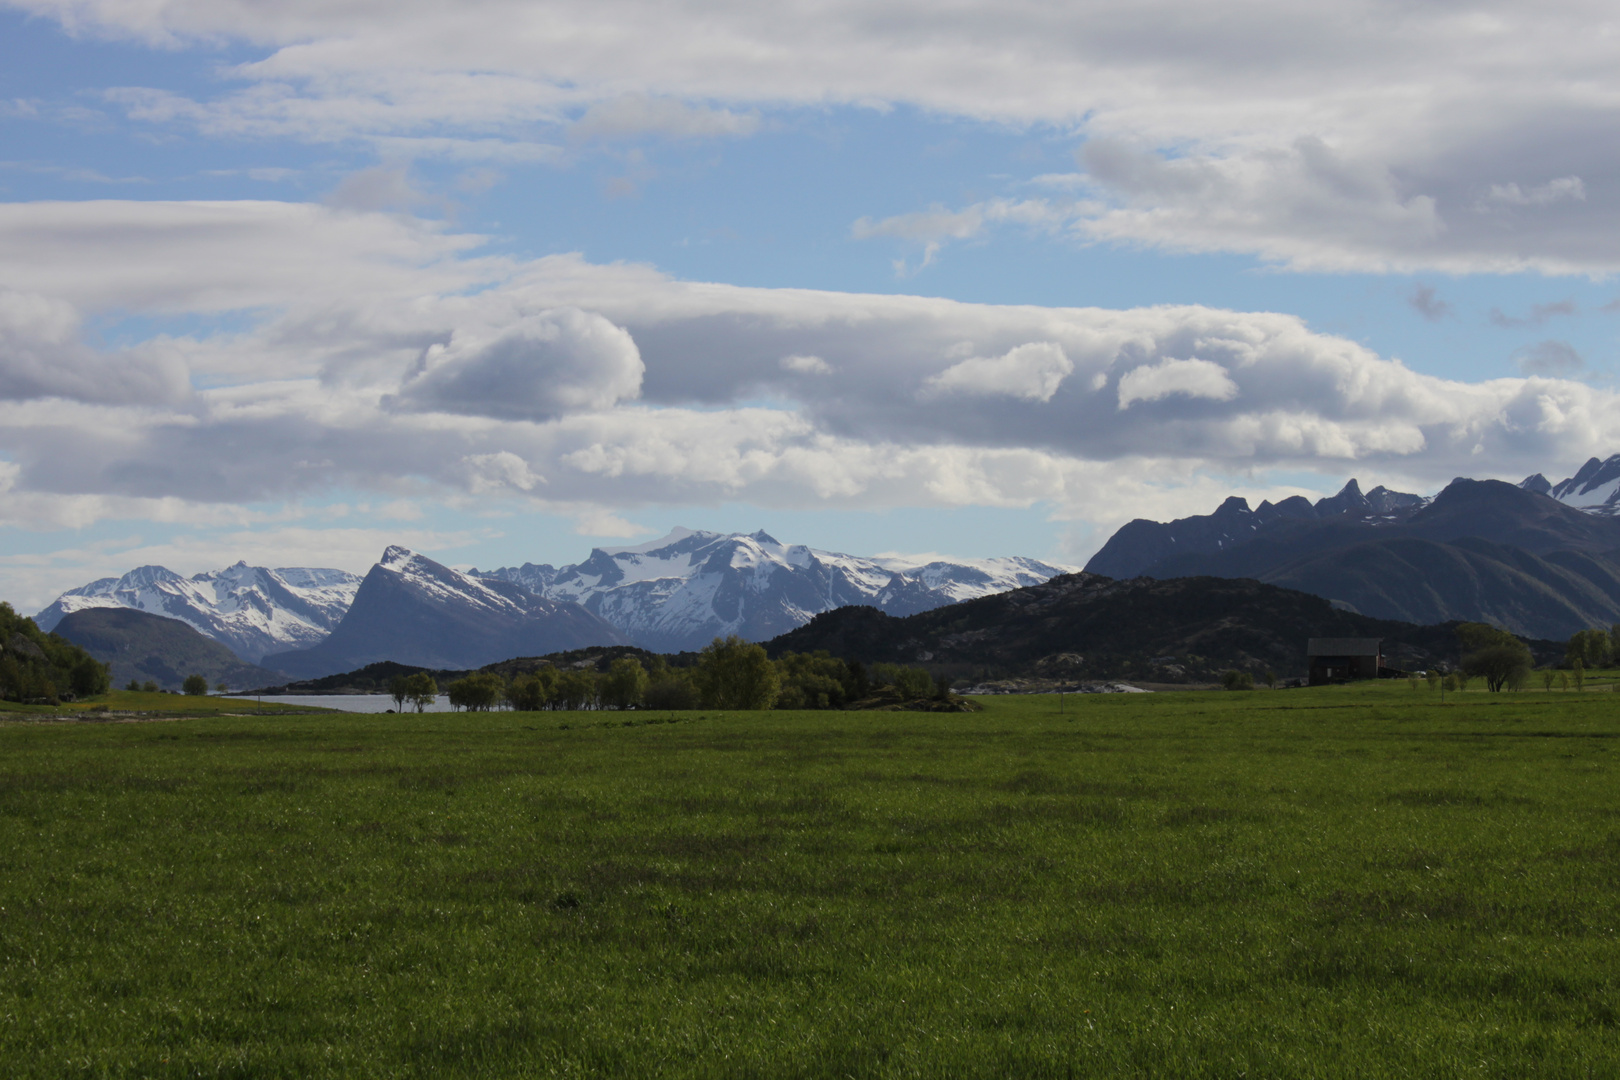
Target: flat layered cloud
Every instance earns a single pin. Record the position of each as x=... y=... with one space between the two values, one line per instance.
x=42 y=355
x=1361 y=136
x=584 y=388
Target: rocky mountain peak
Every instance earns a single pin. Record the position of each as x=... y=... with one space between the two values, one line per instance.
x=395 y=557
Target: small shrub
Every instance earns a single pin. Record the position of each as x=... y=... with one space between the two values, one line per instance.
x=1237 y=680
x=913 y=683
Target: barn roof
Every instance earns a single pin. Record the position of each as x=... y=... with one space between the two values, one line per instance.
x=1342 y=646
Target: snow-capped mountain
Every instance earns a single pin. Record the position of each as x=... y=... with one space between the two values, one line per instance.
x=412 y=610
x=251 y=610
x=1595 y=487
x=682 y=591
x=679 y=592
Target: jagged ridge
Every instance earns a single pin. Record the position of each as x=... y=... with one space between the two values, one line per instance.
x=683 y=590
x=412 y=610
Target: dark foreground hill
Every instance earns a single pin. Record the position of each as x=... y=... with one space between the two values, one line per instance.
x=1085 y=626
x=141 y=646
x=414 y=611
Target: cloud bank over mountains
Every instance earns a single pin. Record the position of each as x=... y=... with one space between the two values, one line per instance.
x=436 y=369
x=1361 y=136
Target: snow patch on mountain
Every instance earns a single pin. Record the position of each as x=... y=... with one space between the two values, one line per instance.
x=412 y=610
x=689 y=587
x=252 y=610
x=1595 y=487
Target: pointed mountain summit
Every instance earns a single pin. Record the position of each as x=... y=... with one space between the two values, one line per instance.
x=1595 y=487
x=412 y=610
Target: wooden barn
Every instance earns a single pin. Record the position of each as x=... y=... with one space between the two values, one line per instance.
x=1339 y=659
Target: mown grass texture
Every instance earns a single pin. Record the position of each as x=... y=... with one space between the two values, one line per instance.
x=1351 y=881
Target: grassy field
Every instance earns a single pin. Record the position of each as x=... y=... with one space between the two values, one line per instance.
x=1346 y=882
x=138 y=702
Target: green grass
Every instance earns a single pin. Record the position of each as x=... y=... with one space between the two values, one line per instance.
x=138 y=701
x=1352 y=881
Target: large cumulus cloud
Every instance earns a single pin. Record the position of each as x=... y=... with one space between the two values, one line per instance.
x=539 y=367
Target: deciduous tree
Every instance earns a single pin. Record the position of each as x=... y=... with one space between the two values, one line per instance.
x=1493 y=655
x=624 y=685
x=734 y=674
x=421 y=690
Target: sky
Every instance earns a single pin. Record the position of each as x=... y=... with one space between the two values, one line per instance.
x=290 y=281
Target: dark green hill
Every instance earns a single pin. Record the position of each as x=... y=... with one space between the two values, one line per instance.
x=143 y=646
x=1090 y=627
x=40 y=667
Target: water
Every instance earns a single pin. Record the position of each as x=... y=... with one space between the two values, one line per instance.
x=367 y=703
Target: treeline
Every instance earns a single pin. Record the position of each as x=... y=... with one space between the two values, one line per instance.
x=1593 y=648
x=43 y=668
x=729 y=674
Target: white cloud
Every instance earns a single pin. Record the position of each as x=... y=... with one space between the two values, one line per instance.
x=43 y=356
x=934 y=227
x=1364 y=136
x=1566 y=188
x=1192 y=378
x=634 y=115
x=806 y=365
x=538 y=367
x=1032 y=371
x=403 y=369
x=221 y=256
x=500 y=472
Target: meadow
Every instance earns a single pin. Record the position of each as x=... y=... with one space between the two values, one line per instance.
x=1338 y=882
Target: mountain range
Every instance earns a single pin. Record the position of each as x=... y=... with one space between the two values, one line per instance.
x=673 y=594
x=684 y=590
x=1541 y=559
x=251 y=610
x=412 y=610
